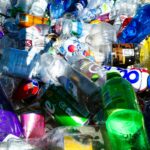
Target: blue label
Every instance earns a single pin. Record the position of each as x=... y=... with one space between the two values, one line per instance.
x=136 y=76
x=131 y=75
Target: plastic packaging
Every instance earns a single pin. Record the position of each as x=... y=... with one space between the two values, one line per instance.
x=38 y=8
x=33 y=125
x=18 y=63
x=9 y=121
x=138 y=28
x=139 y=78
x=27 y=20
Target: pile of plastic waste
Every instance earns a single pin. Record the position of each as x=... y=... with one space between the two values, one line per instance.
x=74 y=74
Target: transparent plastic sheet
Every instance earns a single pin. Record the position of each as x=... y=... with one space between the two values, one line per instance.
x=62 y=138
x=76 y=137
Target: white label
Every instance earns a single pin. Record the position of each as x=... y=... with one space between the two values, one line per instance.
x=128 y=52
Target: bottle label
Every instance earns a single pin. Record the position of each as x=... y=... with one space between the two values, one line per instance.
x=72 y=47
x=49 y=107
x=70 y=87
x=89 y=69
x=25 y=44
x=54 y=108
x=123 y=54
x=134 y=76
x=19 y=63
x=91 y=14
x=77 y=28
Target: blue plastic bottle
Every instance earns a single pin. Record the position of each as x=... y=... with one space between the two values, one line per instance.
x=59 y=7
x=138 y=28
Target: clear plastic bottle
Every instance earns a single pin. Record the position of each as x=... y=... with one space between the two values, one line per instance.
x=78 y=86
x=139 y=78
x=59 y=7
x=95 y=9
x=4 y=6
x=104 y=31
x=25 y=5
x=18 y=63
x=98 y=37
x=123 y=9
x=88 y=15
x=39 y=7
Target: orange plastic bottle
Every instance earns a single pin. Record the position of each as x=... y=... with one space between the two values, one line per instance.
x=27 y=20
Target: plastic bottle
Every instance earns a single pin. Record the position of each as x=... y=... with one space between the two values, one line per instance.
x=59 y=72
x=94 y=9
x=139 y=78
x=143 y=55
x=27 y=20
x=77 y=8
x=59 y=7
x=9 y=84
x=9 y=122
x=126 y=130
x=70 y=27
x=18 y=63
x=124 y=7
x=5 y=5
x=25 y=5
x=89 y=14
x=11 y=28
x=124 y=120
x=138 y=28
x=123 y=55
x=81 y=29
x=73 y=47
x=120 y=95
x=99 y=39
x=59 y=108
x=33 y=38
x=38 y=8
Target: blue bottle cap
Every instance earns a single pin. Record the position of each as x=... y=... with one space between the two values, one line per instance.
x=148 y=82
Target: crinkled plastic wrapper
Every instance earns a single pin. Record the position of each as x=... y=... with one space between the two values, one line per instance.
x=61 y=138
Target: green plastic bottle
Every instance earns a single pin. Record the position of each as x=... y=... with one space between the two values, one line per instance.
x=117 y=93
x=56 y=104
x=122 y=115
x=126 y=130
